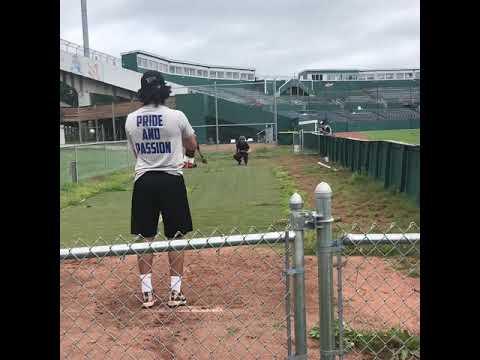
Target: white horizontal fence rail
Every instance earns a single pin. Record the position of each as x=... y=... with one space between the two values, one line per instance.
x=93 y=143
x=379 y=239
x=175 y=245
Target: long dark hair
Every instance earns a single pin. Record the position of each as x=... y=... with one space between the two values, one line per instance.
x=156 y=95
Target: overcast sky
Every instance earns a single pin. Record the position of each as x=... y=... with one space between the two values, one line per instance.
x=276 y=37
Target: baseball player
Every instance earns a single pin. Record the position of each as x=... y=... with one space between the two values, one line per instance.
x=157 y=136
x=242 y=149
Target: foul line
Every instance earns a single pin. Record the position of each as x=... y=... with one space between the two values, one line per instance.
x=191 y=309
x=328 y=167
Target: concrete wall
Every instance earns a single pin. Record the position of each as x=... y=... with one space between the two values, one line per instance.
x=98 y=76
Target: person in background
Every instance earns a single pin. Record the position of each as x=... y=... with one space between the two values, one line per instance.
x=242 y=149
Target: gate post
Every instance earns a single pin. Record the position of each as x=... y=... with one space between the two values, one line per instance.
x=325 y=248
x=297 y=220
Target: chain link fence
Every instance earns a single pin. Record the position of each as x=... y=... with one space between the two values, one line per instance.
x=306 y=288
x=83 y=161
x=378 y=295
x=235 y=287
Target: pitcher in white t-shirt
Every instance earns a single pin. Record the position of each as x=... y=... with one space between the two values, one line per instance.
x=157 y=136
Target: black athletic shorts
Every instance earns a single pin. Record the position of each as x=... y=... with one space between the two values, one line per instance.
x=157 y=192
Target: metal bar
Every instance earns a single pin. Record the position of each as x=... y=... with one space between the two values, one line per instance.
x=379 y=239
x=340 y=305
x=216 y=112
x=96 y=129
x=288 y=314
x=275 y=117
x=174 y=245
x=76 y=163
x=86 y=46
x=113 y=123
x=325 y=246
x=298 y=224
x=239 y=124
x=94 y=143
x=80 y=131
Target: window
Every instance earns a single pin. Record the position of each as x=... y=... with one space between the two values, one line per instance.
x=199 y=73
x=370 y=76
x=304 y=76
x=389 y=76
x=172 y=69
x=409 y=75
x=228 y=74
x=243 y=76
x=205 y=73
x=220 y=74
x=315 y=77
x=381 y=76
x=213 y=74
x=417 y=74
x=178 y=70
x=331 y=77
x=235 y=75
x=400 y=76
x=250 y=76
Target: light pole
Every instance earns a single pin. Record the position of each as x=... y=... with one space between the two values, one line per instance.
x=86 y=46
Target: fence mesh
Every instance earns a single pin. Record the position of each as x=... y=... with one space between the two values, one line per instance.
x=236 y=304
x=239 y=303
x=379 y=290
x=94 y=159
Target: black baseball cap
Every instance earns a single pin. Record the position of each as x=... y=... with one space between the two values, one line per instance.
x=152 y=79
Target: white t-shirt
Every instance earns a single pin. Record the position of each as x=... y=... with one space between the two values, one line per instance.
x=155 y=136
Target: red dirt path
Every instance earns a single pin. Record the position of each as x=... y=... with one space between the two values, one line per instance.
x=236 y=307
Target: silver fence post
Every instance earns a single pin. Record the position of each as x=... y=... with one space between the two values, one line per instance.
x=298 y=225
x=105 y=151
x=275 y=115
x=216 y=112
x=75 y=179
x=325 y=247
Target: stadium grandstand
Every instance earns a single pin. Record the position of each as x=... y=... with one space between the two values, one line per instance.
x=225 y=101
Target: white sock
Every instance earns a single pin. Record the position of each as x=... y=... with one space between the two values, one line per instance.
x=146 y=280
x=175 y=283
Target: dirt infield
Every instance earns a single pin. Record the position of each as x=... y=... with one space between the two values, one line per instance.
x=236 y=306
x=353 y=135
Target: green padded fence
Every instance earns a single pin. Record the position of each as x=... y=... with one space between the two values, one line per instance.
x=397 y=165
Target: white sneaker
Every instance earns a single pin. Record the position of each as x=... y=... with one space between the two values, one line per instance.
x=176 y=299
x=148 y=299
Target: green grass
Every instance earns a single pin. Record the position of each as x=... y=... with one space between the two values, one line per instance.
x=93 y=160
x=394 y=344
x=223 y=197
x=75 y=194
x=409 y=136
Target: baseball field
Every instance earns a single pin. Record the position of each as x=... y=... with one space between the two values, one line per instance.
x=408 y=136
x=236 y=295
x=224 y=197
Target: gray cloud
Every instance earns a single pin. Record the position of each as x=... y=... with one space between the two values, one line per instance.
x=275 y=37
